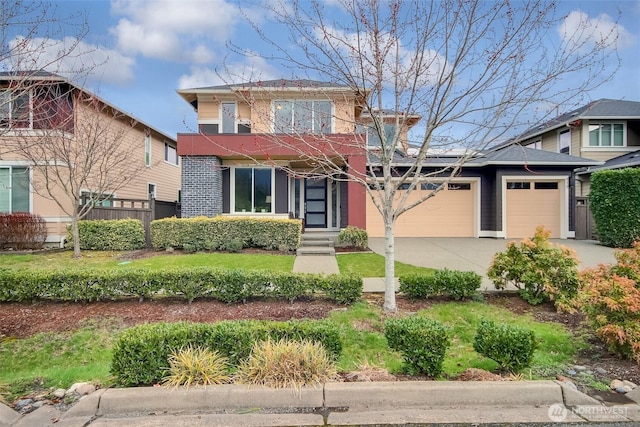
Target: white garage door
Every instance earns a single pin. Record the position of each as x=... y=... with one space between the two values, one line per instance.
x=530 y=204
x=450 y=213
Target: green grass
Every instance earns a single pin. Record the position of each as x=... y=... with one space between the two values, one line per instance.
x=372 y=265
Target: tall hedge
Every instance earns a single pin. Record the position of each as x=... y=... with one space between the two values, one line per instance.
x=615 y=204
x=109 y=235
x=204 y=233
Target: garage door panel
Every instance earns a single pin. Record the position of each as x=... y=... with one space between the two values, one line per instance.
x=450 y=213
x=529 y=208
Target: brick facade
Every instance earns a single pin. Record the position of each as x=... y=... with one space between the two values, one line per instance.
x=201 y=186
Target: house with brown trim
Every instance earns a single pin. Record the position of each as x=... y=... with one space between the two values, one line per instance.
x=34 y=103
x=253 y=137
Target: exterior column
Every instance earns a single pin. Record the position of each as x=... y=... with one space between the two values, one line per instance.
x=357 y=195
x=201 y=186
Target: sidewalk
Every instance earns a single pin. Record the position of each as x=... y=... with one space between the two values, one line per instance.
x=336 y=404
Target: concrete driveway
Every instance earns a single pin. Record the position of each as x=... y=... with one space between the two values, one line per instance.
x=472 y=254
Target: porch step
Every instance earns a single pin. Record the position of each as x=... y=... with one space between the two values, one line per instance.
x=315 y=251
x=309 y=243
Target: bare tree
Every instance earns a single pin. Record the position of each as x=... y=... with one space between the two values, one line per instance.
x=472 y=72
x=80 y=152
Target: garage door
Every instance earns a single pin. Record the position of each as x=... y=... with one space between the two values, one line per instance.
x=450 y=213
x=532 y=203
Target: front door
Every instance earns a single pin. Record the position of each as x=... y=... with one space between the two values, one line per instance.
x=315 y=202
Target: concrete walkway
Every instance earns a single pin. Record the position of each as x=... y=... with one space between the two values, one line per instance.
x=326 y=264
x=337 y=404
x=471 y=254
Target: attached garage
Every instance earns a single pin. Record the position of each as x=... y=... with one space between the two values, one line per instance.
x=452 y=212
x=530 y=203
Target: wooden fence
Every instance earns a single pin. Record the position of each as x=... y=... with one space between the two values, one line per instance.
x=585 y=225
x=144 y=210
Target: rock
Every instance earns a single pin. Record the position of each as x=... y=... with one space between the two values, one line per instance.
x=620 y=390
x=59 y=393
x=589 y=372
x=629 y=384
x=601 y=371
x=38 y=404
x=571 y=372
x=85 y=389
x=20 y=404
x=74 y=389
x=579 y=368
x=616 y=384
x=627 y=389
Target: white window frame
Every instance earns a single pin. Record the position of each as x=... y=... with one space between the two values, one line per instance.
x=235 y=118
x=587 y=135
x=232 y=190
x=166 y=147
x=22 y=165
x=560 y=133
x=147 y=150
x=29 y=93
x=294 y=100
x=154 y=193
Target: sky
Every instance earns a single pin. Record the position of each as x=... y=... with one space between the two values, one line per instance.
x=147 y=49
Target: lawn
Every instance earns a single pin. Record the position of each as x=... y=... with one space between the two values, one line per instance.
x=372 y=265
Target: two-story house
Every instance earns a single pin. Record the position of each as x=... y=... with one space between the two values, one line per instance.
x=258 y=145
x=40 y=103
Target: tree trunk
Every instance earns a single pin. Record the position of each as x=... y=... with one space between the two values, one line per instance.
x=389 y=267
x=76 y=237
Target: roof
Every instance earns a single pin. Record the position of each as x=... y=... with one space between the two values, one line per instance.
x=41 y=75
x=600 y=109
x=627 y=160
x=510 y=155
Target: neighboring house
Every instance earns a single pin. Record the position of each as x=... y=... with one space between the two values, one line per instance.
x=234 y=166
x=20 y=116
x=601 y=130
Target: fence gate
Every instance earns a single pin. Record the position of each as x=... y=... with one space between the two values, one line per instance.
x=585 y=225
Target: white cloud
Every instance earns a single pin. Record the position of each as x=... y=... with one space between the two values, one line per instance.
x=71 y=58
x=579 y=31
x=252 y=70
x=173 y=30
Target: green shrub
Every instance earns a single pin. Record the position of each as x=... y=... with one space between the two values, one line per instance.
x=196 y=366
x=610 y=297
x=140 y=356
x=233 y=245
x=109 y=235
x=614 y=200
x=539 y=269
x=422 y=343
x=287 y=363
x=455 y=284
x=214 y=233
x=511 y=347
x=341 y=288
x=354 y=236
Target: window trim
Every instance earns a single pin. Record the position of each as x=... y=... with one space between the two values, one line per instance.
x=166 y=147
x=155 y=190
x=29 y=93
x=560 y=133
x=221 y=118
x=587 y=136
x=29 y=171
x=232 y=190
x=313 y=109
x=148 y=153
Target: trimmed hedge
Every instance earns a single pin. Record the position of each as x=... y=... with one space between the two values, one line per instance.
x=354 y=236
x=225 y=285
x=614 y=200
x=109 y=235
x=455 y=284
x=140 y=355
x=203 y=233
x=511 y=346
x=422 y=343
x=22 y=230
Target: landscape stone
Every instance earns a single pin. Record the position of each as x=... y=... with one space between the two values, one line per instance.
x=59 y=393
x=571 y=372
x=616 y=384
x=22 y=403
x=85 y=389
x=629 y=384
x=579 y=368
x=38 y=404
x=621 y=390
x=589 y=372
x=74 y=388
x=601 y=371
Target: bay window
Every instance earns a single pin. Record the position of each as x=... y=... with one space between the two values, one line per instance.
x=14 y=189
x=252 y=190
x=302 y=116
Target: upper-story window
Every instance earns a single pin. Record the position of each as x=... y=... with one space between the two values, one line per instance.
x=564 y=141
x=373 y=137
x=228 y=117
x=302 y=116
x=607 y=135
x=15 y=109
x=536 y=145
x=147 y=150
x=170 y=154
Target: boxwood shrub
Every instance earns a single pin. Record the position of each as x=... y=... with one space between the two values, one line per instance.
x=140 y=354
x=227 y=285
x=109 y=235
x=511 y=346
x=204 y=233
x=422 y=343
x=455 y=284
x=614 y=200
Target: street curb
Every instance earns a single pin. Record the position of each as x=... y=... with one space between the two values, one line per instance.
x=8 y=416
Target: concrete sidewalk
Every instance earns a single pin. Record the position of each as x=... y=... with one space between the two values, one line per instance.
x=336 y=404
x=326 y=264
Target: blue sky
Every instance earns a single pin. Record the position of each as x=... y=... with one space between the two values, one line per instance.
x=149 y=48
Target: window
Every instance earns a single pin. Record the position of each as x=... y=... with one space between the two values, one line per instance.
x=147 y=151
x=302 y=116
x=373 y=138
x=459 y=186
x=518 y=185
x=545 y=186
x=170 y=154
x=536 y=145
x=252 y=190
x=14 y=109
x=14 y=189
x=151 y=190
x=564 y=142
x=104 y=200
x=607 y=135
x=228 y=117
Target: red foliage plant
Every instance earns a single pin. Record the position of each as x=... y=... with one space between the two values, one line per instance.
x=22 y=230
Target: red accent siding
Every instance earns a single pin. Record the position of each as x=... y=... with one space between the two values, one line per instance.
x=357 y=208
